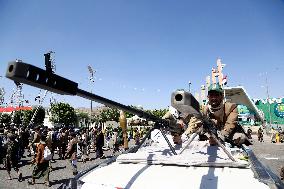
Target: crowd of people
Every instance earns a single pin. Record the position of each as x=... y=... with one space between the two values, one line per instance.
x=40 y=143
x=276 y=135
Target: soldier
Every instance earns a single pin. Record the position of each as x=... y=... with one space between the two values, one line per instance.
x=55 y=142
x=84 y=147
x=3 y=141
x=137 y=136
x=260 y=135
x=224 y=116
x=282 y=173
x=66 y=137
x=12 y=156
x=107 y=138
x=25 y=137
x=41 y=168
x=249 y=132
x=115 y=141
x=100 y=144
x=72 y=152
x=36 y=139
x=63 y=142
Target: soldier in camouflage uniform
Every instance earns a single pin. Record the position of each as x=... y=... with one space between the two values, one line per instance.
x=3 y=140
x=36 y=140
x=224 y=115
x=42 y=165
x=72 y=152
x=12 y=156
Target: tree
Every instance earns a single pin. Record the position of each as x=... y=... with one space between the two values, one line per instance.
x=159 y=113
x=17 y=117
x=5 y=119
x=24 y=116
x=109 y=114
x=39 y=117
x=83 y=117
x=63 y=113
x=129 y=115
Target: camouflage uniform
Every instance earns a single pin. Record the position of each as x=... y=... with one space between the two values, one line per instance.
x=12 y=156
x=223 y=115
x=41 y=168
x=3 y=141
x=100 y=144
x=225 y=120
x=260 y=135
x=72 y=152
x=35 y=141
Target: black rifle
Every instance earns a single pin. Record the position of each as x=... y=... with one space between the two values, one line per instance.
x=45 y=79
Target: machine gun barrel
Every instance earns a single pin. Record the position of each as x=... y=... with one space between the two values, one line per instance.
x=37 y=77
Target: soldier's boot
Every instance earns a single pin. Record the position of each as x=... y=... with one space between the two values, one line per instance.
x=46 y=182
x=74 y=169
x=32 y=182
x=20 y=176
x=9 y=176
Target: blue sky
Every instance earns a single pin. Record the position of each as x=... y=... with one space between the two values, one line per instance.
x=142 y=50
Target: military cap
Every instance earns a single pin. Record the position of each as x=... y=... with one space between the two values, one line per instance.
x=215 y=87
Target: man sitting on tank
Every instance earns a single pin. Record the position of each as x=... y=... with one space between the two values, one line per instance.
x=224 y=116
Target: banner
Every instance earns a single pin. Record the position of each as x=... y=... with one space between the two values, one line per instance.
x=279 y=110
